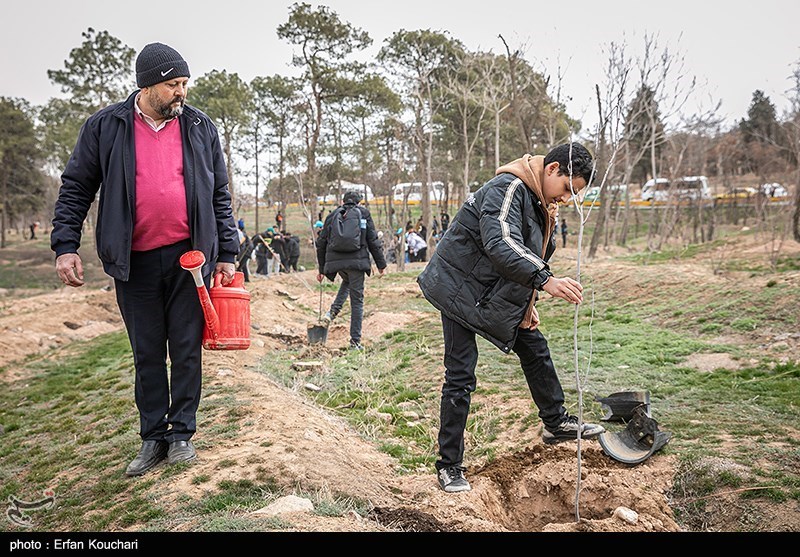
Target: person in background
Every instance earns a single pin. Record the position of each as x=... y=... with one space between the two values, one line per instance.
x=245 y=252
x=157 y=167
x=416 y=246
x=281 y=250
x=445 y=222
x=484 y=277
x=351 y=266
x=317 y=229
x=292 y=251
x=564 y=232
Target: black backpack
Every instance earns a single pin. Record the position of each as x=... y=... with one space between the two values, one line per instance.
x=345 y=232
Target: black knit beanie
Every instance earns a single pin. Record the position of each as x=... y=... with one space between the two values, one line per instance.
x=158 y=62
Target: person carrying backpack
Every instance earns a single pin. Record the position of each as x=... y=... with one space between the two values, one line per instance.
x=344 y=245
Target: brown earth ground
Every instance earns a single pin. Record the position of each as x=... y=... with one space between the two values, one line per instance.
x=301 y=444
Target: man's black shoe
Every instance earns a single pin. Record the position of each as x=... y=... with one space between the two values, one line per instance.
x=181 y=451
x=151 y=453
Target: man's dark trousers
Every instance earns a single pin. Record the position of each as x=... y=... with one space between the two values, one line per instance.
x=460 y=360
x=352 y=286
x=162 y=313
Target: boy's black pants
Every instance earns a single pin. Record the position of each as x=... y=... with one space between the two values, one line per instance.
x=460 y=360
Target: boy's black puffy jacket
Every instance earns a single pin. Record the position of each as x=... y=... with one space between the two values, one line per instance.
x=486 y=266
x=331 y=262
x=104 y=159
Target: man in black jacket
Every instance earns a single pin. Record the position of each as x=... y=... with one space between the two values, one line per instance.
x=483 y=278
x=163 y=191
x=352 y=266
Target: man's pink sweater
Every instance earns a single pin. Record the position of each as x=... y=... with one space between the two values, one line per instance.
x=161 y=216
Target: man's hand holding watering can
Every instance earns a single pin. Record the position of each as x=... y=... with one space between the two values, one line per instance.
x=227 y=270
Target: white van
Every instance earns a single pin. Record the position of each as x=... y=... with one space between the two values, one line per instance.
x=333 y=193
x=414 y=192
x=688 y=187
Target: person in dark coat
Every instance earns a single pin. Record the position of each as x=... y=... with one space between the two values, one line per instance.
x=483 y=277
x=263 y=253
x=158 y=166
x=281 y=249
x=292 y=250
x=352 y=267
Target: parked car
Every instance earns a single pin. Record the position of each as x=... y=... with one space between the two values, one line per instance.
x=616 y=191
x=334 y=197
x=412 y=192
x=773 y=189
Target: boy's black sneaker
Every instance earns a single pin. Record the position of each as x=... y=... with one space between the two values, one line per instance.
x=568 y=430
x=452 y=480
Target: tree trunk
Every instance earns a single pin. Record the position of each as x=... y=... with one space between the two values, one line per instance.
x=229 y=167
x=796 y=215
x=426 y=187
x=599 y=156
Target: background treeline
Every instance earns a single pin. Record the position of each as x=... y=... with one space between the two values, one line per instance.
x=425 y=109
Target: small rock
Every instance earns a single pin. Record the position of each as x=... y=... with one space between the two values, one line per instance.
x=410 y=415
x=71 y=325
x=380 y=415
x=258 y=342
x=625 y=514
x=623 y=367
x=312 y=387
x=288 y=504
x=307 y=365
x=222 y=372
x=255 y=326
x=406 y=404
x=413 y=424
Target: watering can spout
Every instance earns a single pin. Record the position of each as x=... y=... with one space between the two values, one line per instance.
x=193 y=261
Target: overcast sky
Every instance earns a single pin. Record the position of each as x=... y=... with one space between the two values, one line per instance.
x=732 y=47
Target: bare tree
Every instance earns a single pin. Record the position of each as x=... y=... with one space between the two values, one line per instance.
x=466 y=84
x=792 y=131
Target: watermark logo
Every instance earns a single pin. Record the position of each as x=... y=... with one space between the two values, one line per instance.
x=17 y=511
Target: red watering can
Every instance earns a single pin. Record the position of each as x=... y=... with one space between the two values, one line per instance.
x=226 y=308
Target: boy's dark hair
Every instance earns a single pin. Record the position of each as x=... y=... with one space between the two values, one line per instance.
x=351 y=197
x=581 y=160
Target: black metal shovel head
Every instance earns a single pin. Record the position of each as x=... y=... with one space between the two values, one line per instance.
x=620 y=406
x=640 y=439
